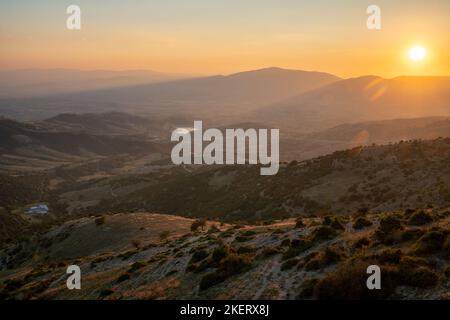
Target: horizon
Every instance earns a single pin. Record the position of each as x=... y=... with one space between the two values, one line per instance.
x=186 y=76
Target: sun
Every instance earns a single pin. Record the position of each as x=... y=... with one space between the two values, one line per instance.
x=417 y=53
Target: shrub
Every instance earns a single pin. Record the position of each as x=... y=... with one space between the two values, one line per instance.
x=430 y=242
x=411 y=234
x=269 y=251
x=307 y=289
x=390 y=223
x=323 y=233
x=219 y=253
x=299 y=223
x=420 y=218
x=136 y=266
x=246 y=249
x=198 y=224
x=349 y=283
x=136 y=243
x=231 y=265
x=164 y=235
x=106 y=292
x=99 y=221
x=361 y=223
x=296 y=248
x=421 y=277
x=323 y=259
x=123 y=277
x=289 y=264
x=361 y=242
x=389 y=256
x=213 y=229
x=198 y=255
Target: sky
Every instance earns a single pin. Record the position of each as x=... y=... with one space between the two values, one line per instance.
x=225 y=36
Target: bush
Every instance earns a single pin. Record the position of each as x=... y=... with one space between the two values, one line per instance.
x=361 y=223
x=164 y=235
x=296 y=248
x=231 y=265
x=198 y=256
x=219 y=253
x=213 y=229
x=420 y=218
x=323 y=233
x=323 y=259
x=246 y=249
x=307 y=289
x=99 y=221
x=124 y=277
x=390 y=223
x=299 y=223
x=106 y=292
x=198 y=224
x=136 y=266
x=361 y=242
x=389 y=256
x=430 y=242
x=289 y=264
x=349 y=283
x=421 y=277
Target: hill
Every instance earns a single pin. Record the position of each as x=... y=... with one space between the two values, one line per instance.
x=360 y=99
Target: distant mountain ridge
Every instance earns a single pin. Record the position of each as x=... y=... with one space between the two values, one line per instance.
x=215 y=97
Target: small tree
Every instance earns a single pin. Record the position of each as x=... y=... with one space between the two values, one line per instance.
x=198 y=224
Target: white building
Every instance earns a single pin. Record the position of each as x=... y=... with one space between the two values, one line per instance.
x=38 y=209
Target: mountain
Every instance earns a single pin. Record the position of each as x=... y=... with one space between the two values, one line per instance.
x=217 y=97
x=360 y=99
x=42 y=82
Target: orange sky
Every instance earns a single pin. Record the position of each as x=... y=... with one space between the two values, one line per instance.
x=211 y=36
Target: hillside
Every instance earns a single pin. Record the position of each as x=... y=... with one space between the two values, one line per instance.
x=381 y=178
x=312 y=258
x=26 y=146
x=360 y=99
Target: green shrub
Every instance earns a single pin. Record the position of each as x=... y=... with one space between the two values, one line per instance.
x=219 y=253
x=289 y=264
x=361 y=223
x=198 y=256
x=99 y=221
x=106 y=292
x=246 y=249
x=421 y=277
x=323 y=233
x=307 y=289
x=430 y=242
x=390 y=256
x=361 y=242
x=390 y=223
x=123 y=277
x=136 y=266
x=231 y=265
x=420 y=218
x=349 y=283
x=296 y=248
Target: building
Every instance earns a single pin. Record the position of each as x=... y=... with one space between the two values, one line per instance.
x=38 y=209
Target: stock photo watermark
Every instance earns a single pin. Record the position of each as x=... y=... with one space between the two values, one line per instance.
x=231 y=149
